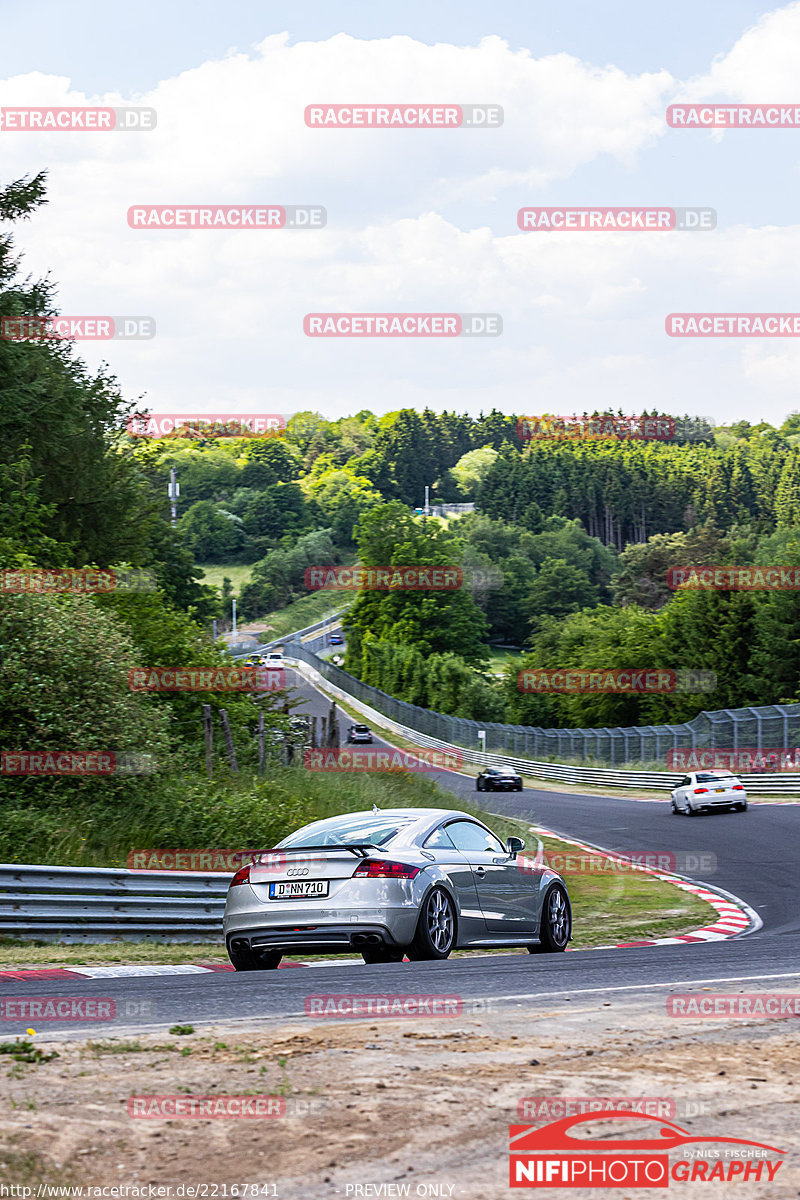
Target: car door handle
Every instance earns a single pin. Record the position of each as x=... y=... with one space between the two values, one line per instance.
x=480 y=872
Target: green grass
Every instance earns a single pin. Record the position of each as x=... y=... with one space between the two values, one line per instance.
x=189 y=811
x=626 y=907
x=499 y=659
x=238 y=573
x=305 y=611
x=193 y=813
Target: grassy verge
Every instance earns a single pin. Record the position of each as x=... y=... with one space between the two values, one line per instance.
x=499 y=660
x=305 y=611
x=607 y=907
x=610 y=908
x=214 y=573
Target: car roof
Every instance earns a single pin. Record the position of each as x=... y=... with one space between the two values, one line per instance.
x=415 y=817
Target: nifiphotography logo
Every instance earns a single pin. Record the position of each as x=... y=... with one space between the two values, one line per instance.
x=557 y=1155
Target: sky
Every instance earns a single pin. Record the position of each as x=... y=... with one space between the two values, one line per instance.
x=418 y=220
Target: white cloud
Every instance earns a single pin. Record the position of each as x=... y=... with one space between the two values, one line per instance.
x=417 y=221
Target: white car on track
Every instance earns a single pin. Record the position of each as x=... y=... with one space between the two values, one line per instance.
x=707 y=790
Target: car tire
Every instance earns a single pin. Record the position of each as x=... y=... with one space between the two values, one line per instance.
x=742 y=807
x=478 y=785
x=519 y=786
x=556 y=927
x=381 y=954
x=250 y=960
x=690 y=812
x=435 y=937
x=675 y=809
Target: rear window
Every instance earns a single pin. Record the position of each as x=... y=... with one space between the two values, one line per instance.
x=347 y=831
x=361 y=728
x=714 y=778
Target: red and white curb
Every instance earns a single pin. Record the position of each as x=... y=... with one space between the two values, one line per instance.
x=735 y=915
x=145 y=970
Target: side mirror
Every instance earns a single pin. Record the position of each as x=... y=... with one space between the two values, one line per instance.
x=514 y=845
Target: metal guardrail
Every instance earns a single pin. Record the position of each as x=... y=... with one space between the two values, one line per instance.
x=783 y=783
x=346 y=687
x=102 y=904
x=330 y=623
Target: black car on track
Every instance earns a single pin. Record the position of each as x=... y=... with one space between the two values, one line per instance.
x=498 y=779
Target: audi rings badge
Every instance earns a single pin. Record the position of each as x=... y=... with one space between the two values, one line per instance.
x=297 y=871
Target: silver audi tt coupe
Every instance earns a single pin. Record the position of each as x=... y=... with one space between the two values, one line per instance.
x=420 y=882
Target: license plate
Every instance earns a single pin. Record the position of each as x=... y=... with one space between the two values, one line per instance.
x=299 y=889
x=719 y=789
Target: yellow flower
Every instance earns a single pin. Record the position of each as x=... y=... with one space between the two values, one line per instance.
x=31 y=1032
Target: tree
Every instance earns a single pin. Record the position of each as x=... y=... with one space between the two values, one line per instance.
x=212 y=534
x=341 y=498
x=472 y=468
x=431 y=621
x=65 y=648
x=74 y=493
x=559 y=589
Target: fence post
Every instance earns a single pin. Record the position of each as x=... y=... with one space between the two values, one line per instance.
x=208 y=733
x=226 y=733
x=261 y=747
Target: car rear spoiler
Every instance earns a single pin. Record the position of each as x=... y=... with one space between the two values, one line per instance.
x=359 y=848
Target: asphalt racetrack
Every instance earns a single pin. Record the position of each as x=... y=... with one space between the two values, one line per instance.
x=756 y=860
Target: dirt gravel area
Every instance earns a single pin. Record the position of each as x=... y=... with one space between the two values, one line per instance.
x=417 y=1106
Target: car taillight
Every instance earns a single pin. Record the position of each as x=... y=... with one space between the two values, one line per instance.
x=374 y=868
x=697 y=791
x=241 y=876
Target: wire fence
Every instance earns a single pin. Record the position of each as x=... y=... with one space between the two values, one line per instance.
x=768 y=727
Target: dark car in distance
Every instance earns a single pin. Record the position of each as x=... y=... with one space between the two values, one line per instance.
x=359 y=733
x=498 y=779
